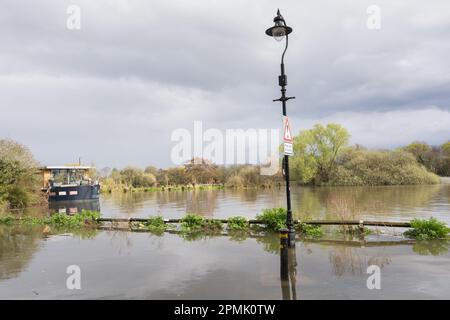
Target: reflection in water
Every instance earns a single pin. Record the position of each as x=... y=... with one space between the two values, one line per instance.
x=73 y=207
x=17 y=246
x=255 y=266
x=355 y=202
x=431 y=247
x=288 y=269
x=353 y=261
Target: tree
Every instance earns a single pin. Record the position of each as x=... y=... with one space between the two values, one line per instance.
x=19 y=183
x=201 y=171
x=316 y=151
x=177 y=176
x=446 y=149
x=421 y=151
x=152 y=170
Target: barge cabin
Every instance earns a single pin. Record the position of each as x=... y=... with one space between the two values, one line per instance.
x=68 y=183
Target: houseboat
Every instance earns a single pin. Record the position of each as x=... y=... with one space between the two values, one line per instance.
x=69 y=183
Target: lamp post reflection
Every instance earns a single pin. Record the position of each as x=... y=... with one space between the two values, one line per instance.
x=288 y=267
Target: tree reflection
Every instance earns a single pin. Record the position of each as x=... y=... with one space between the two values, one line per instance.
x=17 y=246
x=325 y=202
x=288 y=270
x=353 y=261
x=431 y=247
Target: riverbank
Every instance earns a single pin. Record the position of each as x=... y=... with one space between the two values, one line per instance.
x=125 y=189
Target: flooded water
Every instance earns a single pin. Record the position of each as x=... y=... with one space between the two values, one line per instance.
x=121 y=264
x=140 y=265
x=389 y=203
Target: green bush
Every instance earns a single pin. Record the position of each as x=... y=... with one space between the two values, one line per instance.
x=192 y=223
x=6 y=220
x=364 y=167
x=85 y=217
x=156 y=224
x=428 y=229
x=237 y=223
x=78 y=220
x=273 y=219
x=16 y=196
x=19 y=183
x=308 y=230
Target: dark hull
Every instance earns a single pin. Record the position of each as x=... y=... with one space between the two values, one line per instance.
x=74 y=193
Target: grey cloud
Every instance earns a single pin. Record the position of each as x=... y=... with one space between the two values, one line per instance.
x=114 y=91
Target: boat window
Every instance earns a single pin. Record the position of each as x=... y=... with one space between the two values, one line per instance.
x=67 y=176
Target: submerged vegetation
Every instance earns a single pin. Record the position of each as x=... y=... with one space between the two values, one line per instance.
x=193 y=223
x=308 y=230
x=428 y=229
x=82 y=219
x=194 y=226
x=156 y=224
x=273 y=219
x=237 y=224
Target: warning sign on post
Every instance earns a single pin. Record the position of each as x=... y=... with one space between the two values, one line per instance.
x=288 y=148
x=287 y=136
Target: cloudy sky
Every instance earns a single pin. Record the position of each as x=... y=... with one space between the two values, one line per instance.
x=113 y=91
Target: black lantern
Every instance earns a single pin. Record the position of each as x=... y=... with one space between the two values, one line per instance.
x=280 y=29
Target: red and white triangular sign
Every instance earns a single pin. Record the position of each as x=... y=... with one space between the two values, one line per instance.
x=287 y=136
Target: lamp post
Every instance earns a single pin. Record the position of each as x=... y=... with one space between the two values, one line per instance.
x=279 y=31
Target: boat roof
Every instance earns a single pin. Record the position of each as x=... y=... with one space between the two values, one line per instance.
x=69 y=167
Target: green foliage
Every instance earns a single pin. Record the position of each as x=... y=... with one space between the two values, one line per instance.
x=435 y=158
x=428 y=229
x=420 y=150
x=321 y=157
x=273 y=219
x=237 y=223
x=308 y=230
x=316 y=151
x=61 y=220
x=136 y=178
x=365 y=167
x=19 y=184
x=86 y=217
x=7 y=220
x=156 y=224
x=192 y=223
x=446 y=149
x=16 y=196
